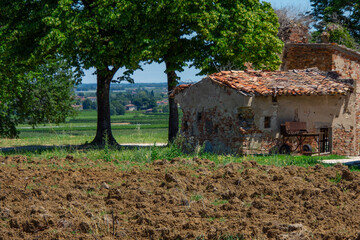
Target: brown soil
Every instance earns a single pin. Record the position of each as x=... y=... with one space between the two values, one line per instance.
x=76 y=199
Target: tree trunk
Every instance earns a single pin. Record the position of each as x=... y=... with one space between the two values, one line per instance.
x=173 y=110
x=103 y=132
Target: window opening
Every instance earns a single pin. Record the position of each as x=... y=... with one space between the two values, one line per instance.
x=199 y=117
x=267 y=122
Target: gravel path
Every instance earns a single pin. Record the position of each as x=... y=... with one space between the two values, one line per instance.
x=351 y=161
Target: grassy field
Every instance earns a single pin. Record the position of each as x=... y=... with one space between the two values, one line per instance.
x=125 y=158
x=133 y=127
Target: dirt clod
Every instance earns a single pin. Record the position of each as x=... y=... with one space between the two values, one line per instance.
x=174 y=200
x=4 y=213
x=170 y=178
x=84 y=227
x=104 y=185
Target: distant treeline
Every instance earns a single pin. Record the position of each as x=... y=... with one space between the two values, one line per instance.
x=114 y=86
x=122 y=86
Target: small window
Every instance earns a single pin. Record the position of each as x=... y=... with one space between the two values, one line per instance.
x=267 y=122
x=199 y=116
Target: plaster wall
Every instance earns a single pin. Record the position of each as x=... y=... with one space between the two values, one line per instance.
x=317 y=111
x=228 y=121
x=334 y=112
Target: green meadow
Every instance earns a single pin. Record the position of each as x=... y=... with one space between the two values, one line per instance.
x=133 y=127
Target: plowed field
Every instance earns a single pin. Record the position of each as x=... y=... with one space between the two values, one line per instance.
x=178 y=199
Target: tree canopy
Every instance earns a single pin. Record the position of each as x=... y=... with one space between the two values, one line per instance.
x=87 y=33
x=343 y=12
x=210 y=35
x=110 y=34
x=39 y=96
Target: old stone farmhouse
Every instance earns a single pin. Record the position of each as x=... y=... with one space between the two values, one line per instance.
x=241 y=111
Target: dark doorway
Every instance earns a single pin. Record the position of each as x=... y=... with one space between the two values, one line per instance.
x=324 y=140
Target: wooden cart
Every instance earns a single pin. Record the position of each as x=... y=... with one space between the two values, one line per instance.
x=297 y=130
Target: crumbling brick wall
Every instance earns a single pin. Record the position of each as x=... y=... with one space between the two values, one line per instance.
x=329 y=57
x=227 y=132
x=348 y=65
x=294 y=32
x=325 y=56
x=302 y=56
x=342 y=141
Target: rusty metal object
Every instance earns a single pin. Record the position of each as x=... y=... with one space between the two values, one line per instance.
x=299 y=131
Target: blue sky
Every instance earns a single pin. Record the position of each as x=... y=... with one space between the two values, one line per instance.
x=155 y=72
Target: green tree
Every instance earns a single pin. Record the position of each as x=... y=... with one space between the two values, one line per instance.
x=155 y=110
x=109 y=34
x=100 y=34
x=117 y=108
x=165 y=109
x=151 y=103
x=210 y=35
x=138 y=102
x=88 y=104
x=39 y=96
x=120 y=109
x=340 y=35
x=343 y=12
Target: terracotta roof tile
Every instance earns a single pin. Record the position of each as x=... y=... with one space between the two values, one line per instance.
x=179 y=88
x=293 y=82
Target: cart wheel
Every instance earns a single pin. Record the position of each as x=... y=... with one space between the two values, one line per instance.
x=307 y=149
x=284 y=149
